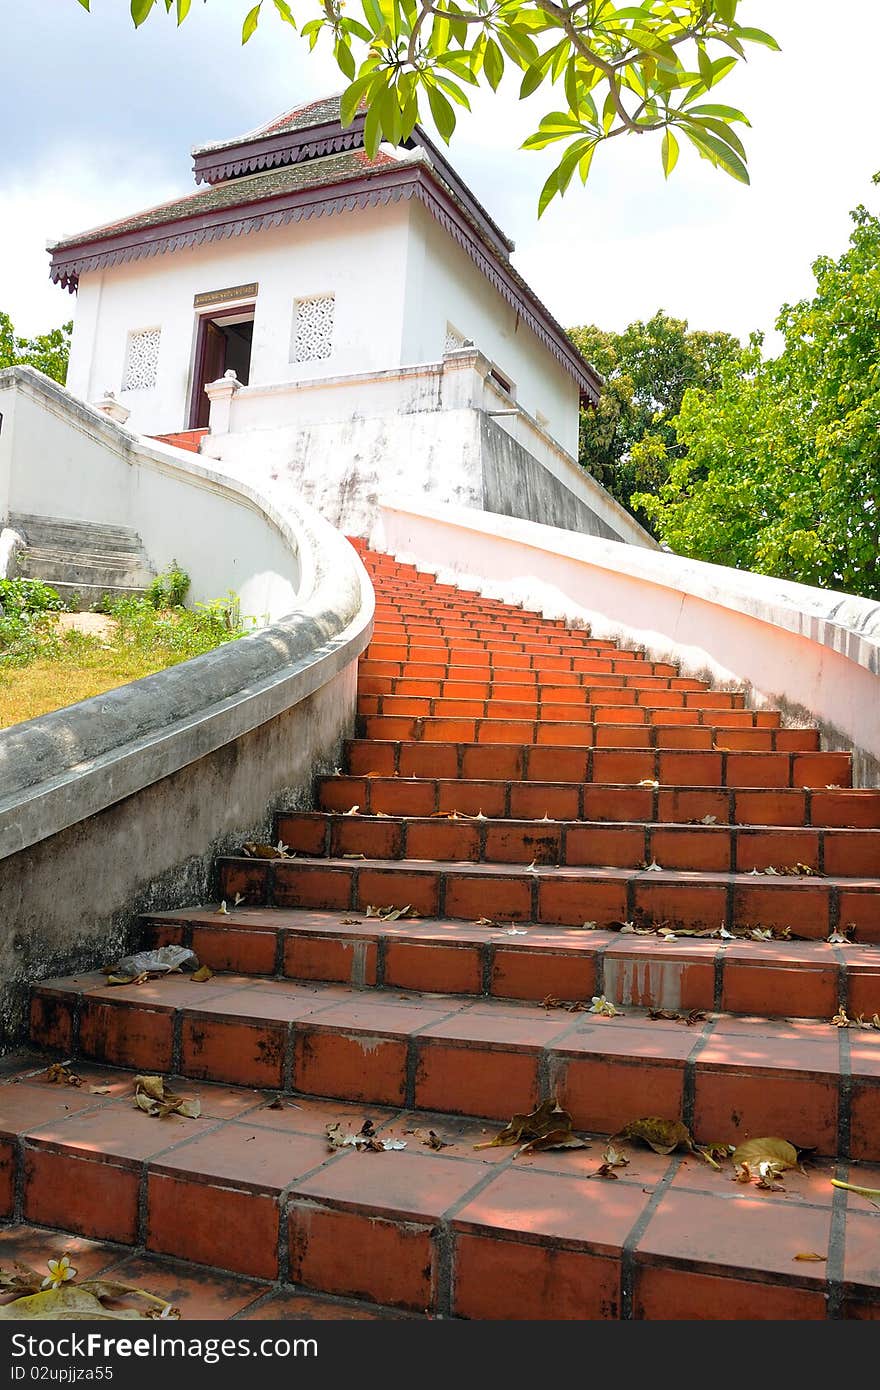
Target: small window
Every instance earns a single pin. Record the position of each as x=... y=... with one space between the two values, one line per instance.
x=313 y=328
x=502 y=381
x=454 y=340
x=141 y=360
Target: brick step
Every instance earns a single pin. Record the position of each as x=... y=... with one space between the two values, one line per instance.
x=463 y=1232
x=586 y=672
x=710 y=736
x=728 y=1076
x=575 y=760
x=797 y=979
x=518 y=690
x=204 y=1294
x=493 y=657
x=843 y=853
x=810 y=907
x=600 y=802
x=476 y=627
x=552 y=713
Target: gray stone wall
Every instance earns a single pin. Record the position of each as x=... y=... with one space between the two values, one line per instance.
x=72 y=901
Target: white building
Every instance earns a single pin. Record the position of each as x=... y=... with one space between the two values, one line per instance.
x=379 y=336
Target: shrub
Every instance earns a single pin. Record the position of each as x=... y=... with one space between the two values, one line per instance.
x=169 y=589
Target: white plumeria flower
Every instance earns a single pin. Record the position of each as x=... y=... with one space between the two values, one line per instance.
x=59 y=1273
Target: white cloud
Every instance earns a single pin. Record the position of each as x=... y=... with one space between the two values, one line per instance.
x=700 y=245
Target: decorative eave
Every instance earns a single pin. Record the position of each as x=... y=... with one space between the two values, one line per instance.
x=389 y=183
x=269 y=150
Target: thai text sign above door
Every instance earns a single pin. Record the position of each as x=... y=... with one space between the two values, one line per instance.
x=233 y=292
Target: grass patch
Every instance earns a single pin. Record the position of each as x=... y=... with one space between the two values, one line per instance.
x=44 y=668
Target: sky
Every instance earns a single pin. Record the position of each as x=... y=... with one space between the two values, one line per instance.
x=99 y=121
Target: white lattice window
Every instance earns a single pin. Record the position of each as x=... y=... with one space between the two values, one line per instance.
x=141 y=360
x=454 y=340
x=313 y=328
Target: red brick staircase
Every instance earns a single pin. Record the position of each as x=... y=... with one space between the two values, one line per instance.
x=507 y=771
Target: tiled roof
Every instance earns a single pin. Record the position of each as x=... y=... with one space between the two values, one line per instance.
x=252 y=188
x=313 y=113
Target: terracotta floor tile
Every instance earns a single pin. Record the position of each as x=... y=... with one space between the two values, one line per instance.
x=34 y=1246
x=245 y=1156
x=119 y=1131
x=198 y=1293
x=27 y=1105
x=289 y=1306
x=741 y=1234
x=404 y=1185
x=301 y=1114
x=589 y=1215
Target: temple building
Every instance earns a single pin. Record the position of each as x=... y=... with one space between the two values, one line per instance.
x=307 y=302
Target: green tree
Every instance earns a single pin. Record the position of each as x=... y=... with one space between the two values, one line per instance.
x=49 y=352
x=621 y=69
x=780 y=466
x=626 y=442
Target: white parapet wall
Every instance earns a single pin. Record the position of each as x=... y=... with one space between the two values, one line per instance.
x=60 y=458
x=813 y=653
x=119 y=804
x=446 y=428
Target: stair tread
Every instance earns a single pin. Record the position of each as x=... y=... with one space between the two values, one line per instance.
x=567 y=871
x=492 y=1207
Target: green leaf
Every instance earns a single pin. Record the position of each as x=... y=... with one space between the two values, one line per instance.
x=251 y=20
x=758 y=36
x=718 y=153
x=350 y=99
x=139 y=10
x=344 y=59
x=285 y=12
x=442 y=112
x=372 y=130
x=724 y=113
x=85 y=4
x=493 y=64
x=669 y=152
x=183 y=9
x=548 y=192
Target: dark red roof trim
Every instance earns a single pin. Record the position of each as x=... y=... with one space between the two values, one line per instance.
x=387 y=185
x=270 y=150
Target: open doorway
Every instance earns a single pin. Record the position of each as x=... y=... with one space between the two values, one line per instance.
x=223 y=343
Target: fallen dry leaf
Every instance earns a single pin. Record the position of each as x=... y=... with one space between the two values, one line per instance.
x=764 y=1160
x=252 y=850
x=663 y=1136
x=32 y=1298
x=350 y=921
x=429 y=1137
x=100 y=1090
x=810 y=1255
x=365 y=1140
x=59 y=1074
x=547 y=1127
x=151 y=1096
x=572 y=1006
x=872 y=1193
x=840 y=937
x=203 y=974
x=840 y=1019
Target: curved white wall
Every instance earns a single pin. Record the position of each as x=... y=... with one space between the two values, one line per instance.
x=61 y=458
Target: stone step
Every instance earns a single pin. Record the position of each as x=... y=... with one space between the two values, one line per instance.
x=728 y=1076
x=845 y=853
x=599 y=802
x=511 y=690
x=810 y=907
x=454 y=752
x=797 y=979
x=196 y=1292
x=462 y=1232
